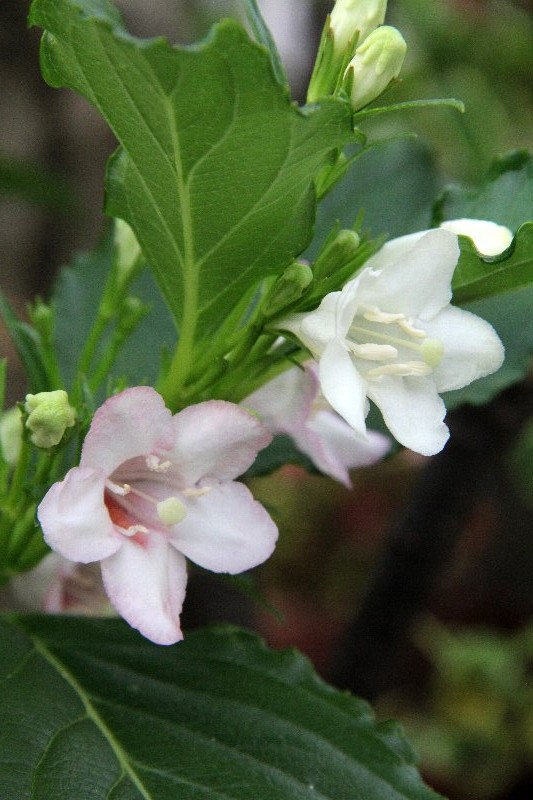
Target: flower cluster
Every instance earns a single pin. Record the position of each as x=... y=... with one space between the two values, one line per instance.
x=392 y=336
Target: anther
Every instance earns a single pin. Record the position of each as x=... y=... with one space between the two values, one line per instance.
x=373 y=352
x=155 y=464
x=406 y=369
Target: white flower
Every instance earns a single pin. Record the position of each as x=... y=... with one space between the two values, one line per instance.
x=391 y=335
x=292 y=404
x=351 y=16
x=375 y=64
x=490 y=239
x=152 y=489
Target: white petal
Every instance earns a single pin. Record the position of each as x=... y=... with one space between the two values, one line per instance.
x=74 y=519
x=343 y=386
x=132 y=423
x=226 y=530
x=490 y=239
x=217 y=440
x=414 y=278
x=472 y=348
x=146 y=582
x=286 y=400
x=335 y=448
x=413 y=412
x=320 y=326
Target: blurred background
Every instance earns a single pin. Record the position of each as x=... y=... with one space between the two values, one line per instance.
x=415 y=588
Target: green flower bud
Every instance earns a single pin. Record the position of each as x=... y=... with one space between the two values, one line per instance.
x=289 y=287
x=351 y=17
x=49 y=415
x=336 y=254
x=375 y=64
x=11 y=435
x=127 y=251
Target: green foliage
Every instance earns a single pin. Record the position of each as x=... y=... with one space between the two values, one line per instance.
x=500 y=290
x=33 y=183
x=76 y=300
x=91 y=710
x=190 y=123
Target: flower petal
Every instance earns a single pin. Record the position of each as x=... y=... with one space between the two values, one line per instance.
x=490 y=239
x=412 y=277
x=412 y=410
x=286 y=400
x=226 y=530
x=145 y=581
x=132 y=423
x=74 y=519
x=342 y=385
x=216 y=440
x=335 y=448
x=472 y=348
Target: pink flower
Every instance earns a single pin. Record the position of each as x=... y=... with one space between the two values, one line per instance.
x=152 y=489
x=293 y=404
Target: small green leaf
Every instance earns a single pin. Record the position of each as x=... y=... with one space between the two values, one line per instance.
x=216 y=166
x=476 y=277
x=264 y=37
x=91 y=710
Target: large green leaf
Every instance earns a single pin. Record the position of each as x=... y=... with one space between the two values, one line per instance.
x=476 y=277
x=216 y=165
x=92 y=711
x=499 y=290
x=76 y=297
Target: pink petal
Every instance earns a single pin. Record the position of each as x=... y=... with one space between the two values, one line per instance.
x=145 y=581
x=217 y=440
x=285 y=402
x=226 y=530
x=132 y=423
x=74 y=519
x=335 y=448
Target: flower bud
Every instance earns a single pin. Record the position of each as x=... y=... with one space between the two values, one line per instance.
x=11 y=435
x=490 y=239
x=355 y=16
x=289 y=287
x=127 y=251
x=49 y=415
x=375 y=64
x=336 y=254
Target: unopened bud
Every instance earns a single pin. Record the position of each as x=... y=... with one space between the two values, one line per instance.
x=336 y=254
x=351 y=17
x=49 y=415
x=289 y=287
x=127 y=251
x=490 y=239
x=11 y=435
x=375 y=64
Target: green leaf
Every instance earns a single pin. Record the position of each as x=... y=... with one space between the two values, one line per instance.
x=29 y=348
x=216 y=166
x=264 y=37
x=76 y=298
x=505 y=197
x=33 y=183
x=476 y=277
x=90 y=710
x=394 y=184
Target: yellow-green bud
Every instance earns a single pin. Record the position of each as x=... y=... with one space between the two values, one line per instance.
x=375 y=64
x=127 y=251
x=49 y=415
x=336 y=254
x=11 y=435
x=355 y=16
x=289 y=287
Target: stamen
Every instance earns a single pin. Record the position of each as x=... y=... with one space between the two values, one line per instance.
x=196 y=492
x=134 y=529
x=155 y=464
x=171 y=511
x=376 y=315
x=407 y=326
x=406 y=369
x=373 y=352
x=118 y=488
